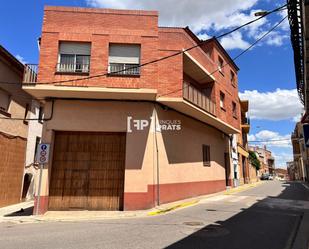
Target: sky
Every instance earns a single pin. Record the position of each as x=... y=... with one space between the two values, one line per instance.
x=266 y=76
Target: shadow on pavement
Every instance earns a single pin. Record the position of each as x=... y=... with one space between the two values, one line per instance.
x=21 y=212
x=260 y=226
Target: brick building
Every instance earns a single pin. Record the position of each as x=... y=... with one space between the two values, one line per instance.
x=266 y=159
x=300 y=168
x=129 y=134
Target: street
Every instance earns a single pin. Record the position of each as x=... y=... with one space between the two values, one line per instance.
x=266 y=216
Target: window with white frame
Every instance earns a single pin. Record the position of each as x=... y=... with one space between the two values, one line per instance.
x=124 y=59
x=74 y=57
x=222 y=100
x=220 y=64
x=5 y=99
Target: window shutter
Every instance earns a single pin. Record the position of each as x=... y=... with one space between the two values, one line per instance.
x=75 y=48
x=124 y=54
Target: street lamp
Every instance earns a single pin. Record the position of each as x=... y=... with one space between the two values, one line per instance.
x=261 y=13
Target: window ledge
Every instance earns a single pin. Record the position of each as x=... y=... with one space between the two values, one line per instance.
x=234 y=116
x=223 y=109
x=5 y=113
x=124 y=75
x=72 y=73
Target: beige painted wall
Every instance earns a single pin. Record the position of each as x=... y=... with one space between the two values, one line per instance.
x=18 y=101
x=180 y=152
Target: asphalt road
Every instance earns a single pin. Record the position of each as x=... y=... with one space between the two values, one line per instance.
x=265 y=217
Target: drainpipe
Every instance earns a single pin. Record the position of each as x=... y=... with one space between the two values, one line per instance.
x=157 y=156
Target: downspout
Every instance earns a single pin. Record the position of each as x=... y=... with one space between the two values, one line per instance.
x=157 y=156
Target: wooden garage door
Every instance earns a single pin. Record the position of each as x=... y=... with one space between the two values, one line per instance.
x=88 y=171
x=12 y=160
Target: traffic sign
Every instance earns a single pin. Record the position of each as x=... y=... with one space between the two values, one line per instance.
x=306 y=134
x=43 y=153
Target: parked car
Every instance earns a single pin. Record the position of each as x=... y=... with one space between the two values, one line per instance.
x=270 y=177
x=265 y=176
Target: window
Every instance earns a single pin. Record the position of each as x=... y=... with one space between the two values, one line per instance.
x=222 y=100
x=5 y=99
x=206 y=155
x=124 y=59
x=220 y=64
x=234 y=108
x=74 y=57
x=233 y=78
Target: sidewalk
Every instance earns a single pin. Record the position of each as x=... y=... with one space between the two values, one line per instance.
x=69 y=216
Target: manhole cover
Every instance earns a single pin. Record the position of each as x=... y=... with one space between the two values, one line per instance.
x=211 y=231
x=193 y=223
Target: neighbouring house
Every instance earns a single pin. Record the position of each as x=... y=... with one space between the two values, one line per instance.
x=242 y=143
x=300 y=154
x=14 y=110
x=31 y=173
x=266 y=159
x=291 y=170
x=129 y=130
x=243 y=171
x=281 y=173
x=298 y=14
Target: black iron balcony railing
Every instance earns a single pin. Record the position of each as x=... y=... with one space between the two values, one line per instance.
x=245 y=121
x=73 y=68
x=198 y=98
x=30 y=73
x=123 y=69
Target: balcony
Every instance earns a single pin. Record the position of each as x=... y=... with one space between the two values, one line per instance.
x=30 y=73
x=45 y=90
x=245 y=124
x=198 y=98
x=73 y=68
x=124 y=69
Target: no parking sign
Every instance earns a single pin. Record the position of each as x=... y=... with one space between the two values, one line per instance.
x=43 y=153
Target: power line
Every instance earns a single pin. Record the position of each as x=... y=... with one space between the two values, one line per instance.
x=235 y=58
x=271 y=140
x=180 y=52
x=166 y=57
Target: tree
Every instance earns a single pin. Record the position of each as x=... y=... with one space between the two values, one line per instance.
x=254 y=160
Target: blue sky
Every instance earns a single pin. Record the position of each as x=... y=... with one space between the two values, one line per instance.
x=266 y=74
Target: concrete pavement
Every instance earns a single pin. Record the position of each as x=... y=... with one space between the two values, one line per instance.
x=268 y=216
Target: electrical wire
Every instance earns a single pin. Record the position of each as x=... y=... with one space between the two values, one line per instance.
x=177 y=53
x=165 y=57
x=235 y=58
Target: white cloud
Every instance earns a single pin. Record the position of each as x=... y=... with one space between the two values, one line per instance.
x=281 y=104
x=233 y=41
x=271 y=138
x=21 y=59
x=203 y=36
x=276 y=39
x=198 y=14
x=282 y=158
x=202 y=16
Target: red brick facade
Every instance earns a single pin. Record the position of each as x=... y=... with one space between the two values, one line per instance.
x=100 y=27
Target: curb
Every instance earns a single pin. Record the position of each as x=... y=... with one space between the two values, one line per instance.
x=242 y=188
x=171 y=208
